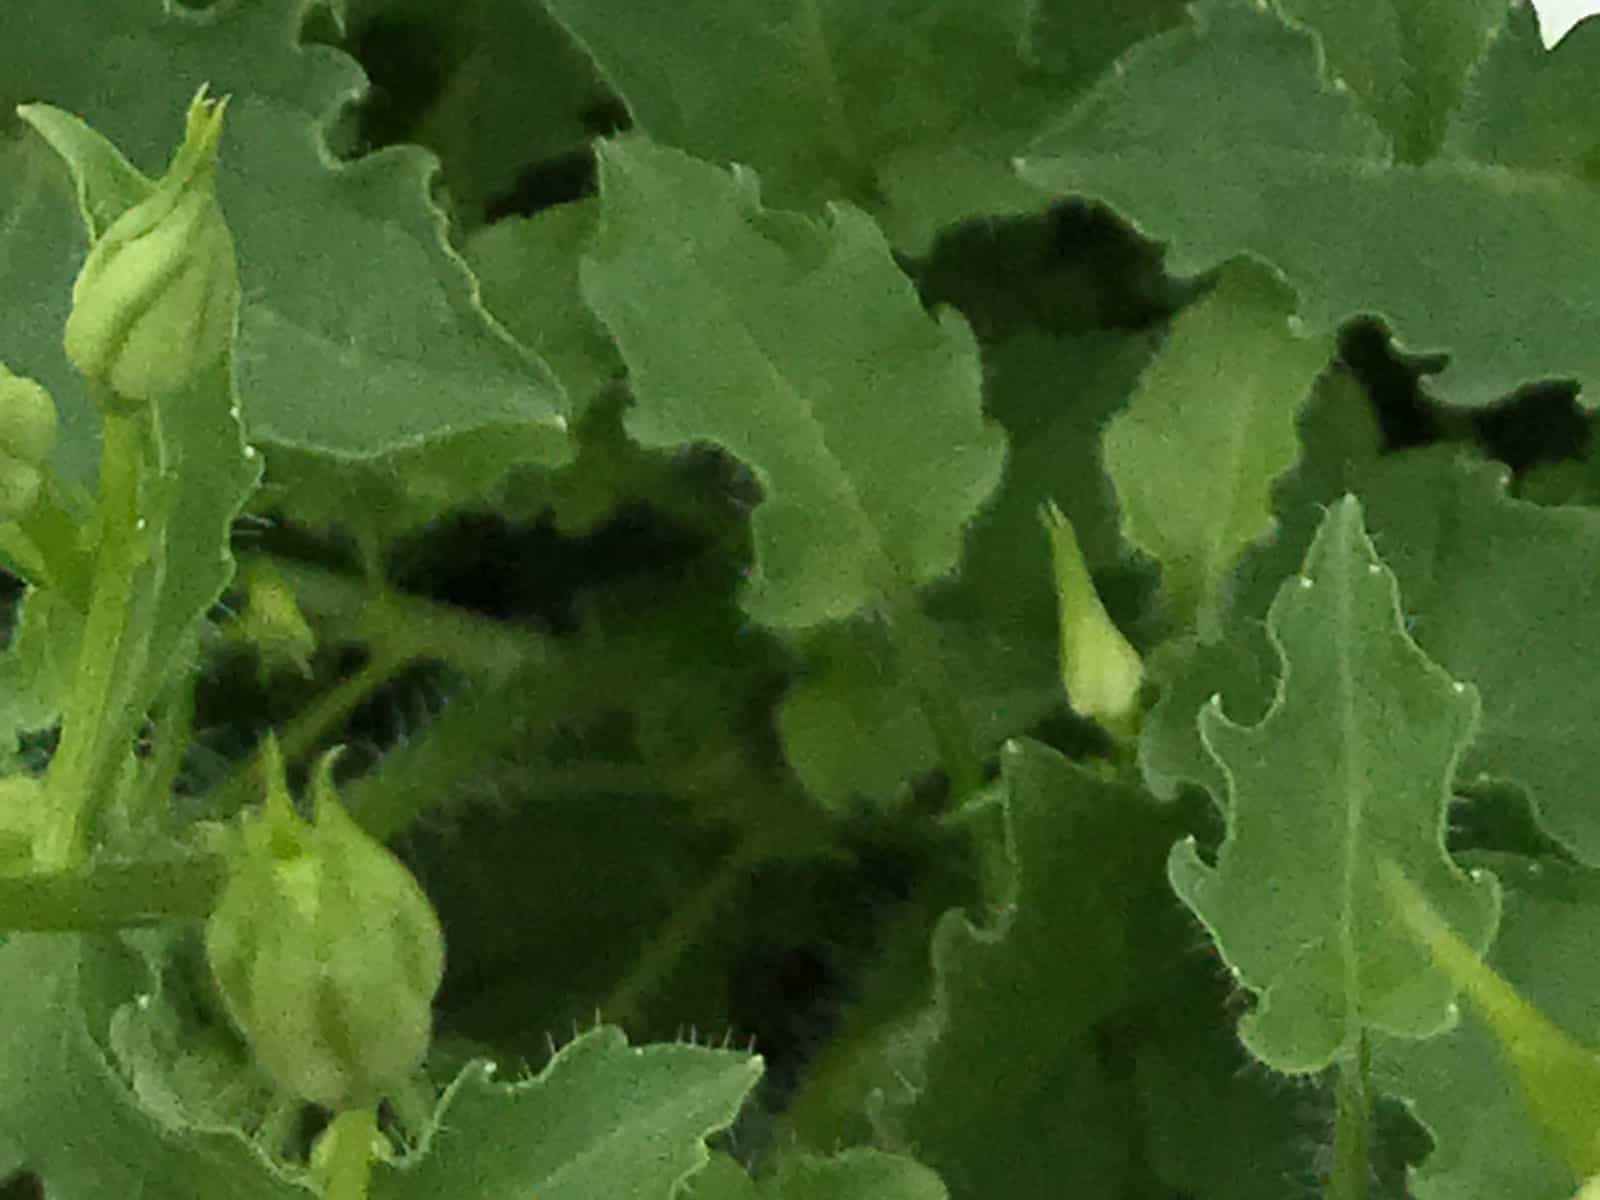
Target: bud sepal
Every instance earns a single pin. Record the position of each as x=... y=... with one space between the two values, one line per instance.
x=156 y=304
x=326 y=950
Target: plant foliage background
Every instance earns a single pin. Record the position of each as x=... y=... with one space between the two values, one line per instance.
x=657 y=404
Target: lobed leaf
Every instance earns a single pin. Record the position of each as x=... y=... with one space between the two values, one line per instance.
x=1210 y=426
x=1352 y=764
x=1229 y=137
x=801 y=349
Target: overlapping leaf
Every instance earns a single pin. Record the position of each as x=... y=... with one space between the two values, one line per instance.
x=853 y=1175
x=1229 y=137
x=1209 y=428
x=361 y=332
x=74 y=1119
x=1460 y=1085
x=1353 y=762
x=840 y=100
x=1005 y=1093
x=800 y=348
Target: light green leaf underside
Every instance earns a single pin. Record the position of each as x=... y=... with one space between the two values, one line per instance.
x=1210 y=426
x=800 y=348
x=602 y=1119
x=836 y=100
x=1486 y=1146
x=1352 y=763
x=1226 y=137
x=1407 y=61
x=361 y=332
x=1001 y=1089
x=70 y=1113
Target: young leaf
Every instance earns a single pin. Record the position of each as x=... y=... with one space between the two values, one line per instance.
x=1209 y=428
x=1353 y=762
x=800 y=348
x=603 y=1118
x=1228 y=137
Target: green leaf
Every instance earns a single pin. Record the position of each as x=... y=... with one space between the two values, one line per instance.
x=1227 y=137
x=1407 y=61
x=67 y=1108
x=1210 y=427
x=1496 y=586
x=830 y=99
x=1473 y=564
x=603 y=1118
x=1462 y=1086
x=852 y=728
x=361 y=332
x=489 y=85
x=800 y=348
x=854 y=1175
x=1352 y=763
x=1218 y=1129
x=861 y=1174
x=1003 y=1091
x=1339 y=438
x=527 y=268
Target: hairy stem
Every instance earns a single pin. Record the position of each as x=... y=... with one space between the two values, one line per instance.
x=90 y=747
x=1352 y=1130
x=110 y=896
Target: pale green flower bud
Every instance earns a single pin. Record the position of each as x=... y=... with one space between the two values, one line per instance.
x=157 y=301
x=1100 y=670
x=27 y=436
x=325 y=949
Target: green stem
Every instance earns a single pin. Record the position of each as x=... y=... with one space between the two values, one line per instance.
x=408 y=627
x=918 y=653
x=90 y=742
x=1352 y=1130
x=110 y=896
x=350 y=1140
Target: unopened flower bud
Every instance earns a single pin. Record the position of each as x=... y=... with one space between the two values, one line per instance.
x=325 y=949
x=1100 y=670
x=27 y=435
x=156 y=303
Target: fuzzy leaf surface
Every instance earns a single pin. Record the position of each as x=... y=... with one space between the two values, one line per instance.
x=1353 y=761
x=1210 y=426
x=602 y=1118
x=800 y=348
x=1228 y=137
